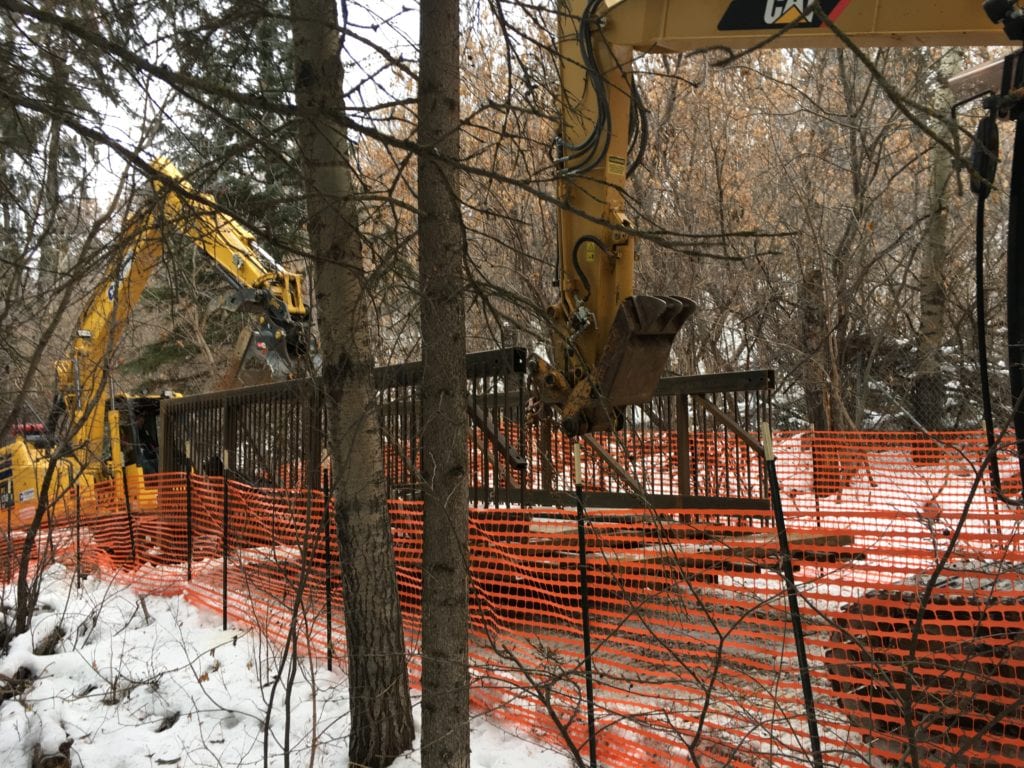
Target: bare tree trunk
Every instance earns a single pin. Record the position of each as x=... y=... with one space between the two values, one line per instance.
x=814 y=337
x=442 y=254
x=27 y=591
x=381 y=714
x=927 y=399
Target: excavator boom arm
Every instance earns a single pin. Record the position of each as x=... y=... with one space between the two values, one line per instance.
x=688 y=25
x=230 y=245
x=260 y=282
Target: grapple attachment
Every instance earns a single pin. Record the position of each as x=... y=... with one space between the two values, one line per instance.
x=269 y=353
x=270 y=347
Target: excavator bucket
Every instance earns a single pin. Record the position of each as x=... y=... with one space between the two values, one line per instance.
x=638 y=347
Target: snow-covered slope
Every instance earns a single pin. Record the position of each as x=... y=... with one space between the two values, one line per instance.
x=145 y=681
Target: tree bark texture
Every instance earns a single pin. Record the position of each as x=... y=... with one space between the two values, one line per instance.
x=381 y=714
x=814 y=337
x=927 y=400
x=442 y=254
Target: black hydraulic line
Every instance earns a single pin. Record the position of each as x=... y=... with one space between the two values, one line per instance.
x=786 y=567
x=588 y=149
x=576 y=260
x=1015 y=288
x=984 y=157
x=578 y=159
x=982 y=334
x=639 y=130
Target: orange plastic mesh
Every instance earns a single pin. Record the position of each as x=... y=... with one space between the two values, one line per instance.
x=910 y=574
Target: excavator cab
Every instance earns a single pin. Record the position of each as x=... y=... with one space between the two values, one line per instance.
x=139 y=421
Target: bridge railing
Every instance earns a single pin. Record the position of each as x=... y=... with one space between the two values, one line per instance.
x=274 y=435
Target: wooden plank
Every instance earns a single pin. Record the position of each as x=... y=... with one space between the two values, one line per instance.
x=746 y=553
x=766 y=546
x=689 y=556
x=658 y=501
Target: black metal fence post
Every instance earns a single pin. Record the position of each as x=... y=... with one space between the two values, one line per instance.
x=78 y=536
x=326 y=487
x=224 y=580
x=8 y=550
x=188 y=510
x=792 y=594
x=128 y=514
x=588 y=663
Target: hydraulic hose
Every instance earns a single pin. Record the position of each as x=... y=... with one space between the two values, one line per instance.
x=984 y=157
x=576 y=260
x=1015 y=288
x=984 y=160
x=793 y=598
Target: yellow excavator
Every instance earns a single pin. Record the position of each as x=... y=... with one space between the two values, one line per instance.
x=93 y=433
x=609 y=346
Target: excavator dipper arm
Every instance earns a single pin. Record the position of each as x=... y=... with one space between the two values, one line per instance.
x=261 y=284
x=609 y=346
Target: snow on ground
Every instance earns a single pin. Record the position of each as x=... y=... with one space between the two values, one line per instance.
x=146 y=681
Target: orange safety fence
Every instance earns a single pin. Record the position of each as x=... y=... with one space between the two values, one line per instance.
x=910 y=575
